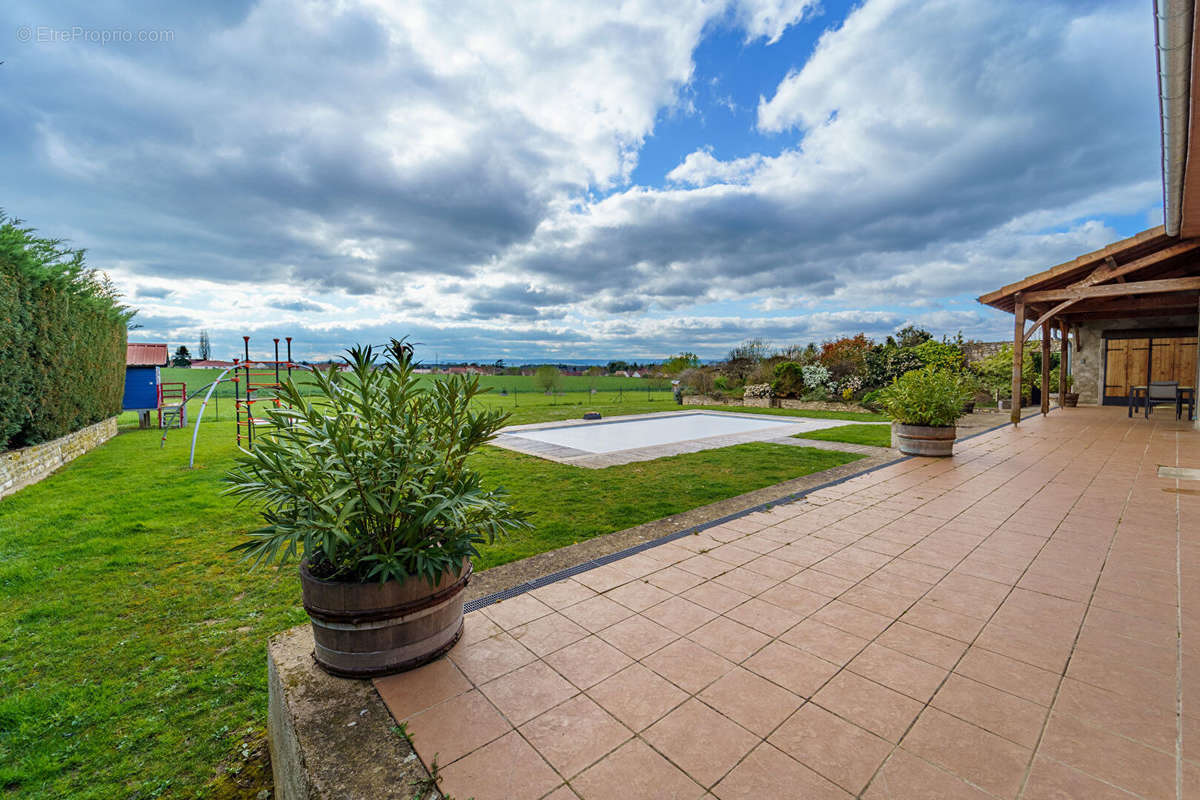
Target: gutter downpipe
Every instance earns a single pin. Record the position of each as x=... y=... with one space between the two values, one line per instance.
x=1173 y=39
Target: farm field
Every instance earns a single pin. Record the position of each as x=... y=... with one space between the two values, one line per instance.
x=131 y=651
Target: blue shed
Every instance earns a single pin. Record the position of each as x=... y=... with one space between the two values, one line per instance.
x=142 y=362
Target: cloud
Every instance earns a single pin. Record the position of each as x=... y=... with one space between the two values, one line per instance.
x=465 y=171
x=297 y=305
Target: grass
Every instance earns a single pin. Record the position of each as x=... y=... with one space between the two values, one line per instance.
x=874 y=435
x=131 y=641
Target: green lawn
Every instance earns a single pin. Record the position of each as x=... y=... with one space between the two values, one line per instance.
x=132 y=642
x=874 y=435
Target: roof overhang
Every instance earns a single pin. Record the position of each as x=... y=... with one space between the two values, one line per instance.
x=1150 y=274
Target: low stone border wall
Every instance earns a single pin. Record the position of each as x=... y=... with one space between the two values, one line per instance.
x=21 y=468
x=774 y=402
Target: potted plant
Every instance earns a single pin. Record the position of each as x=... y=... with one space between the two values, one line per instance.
x=925 y=404
x=364 y=476
x=1070 y=399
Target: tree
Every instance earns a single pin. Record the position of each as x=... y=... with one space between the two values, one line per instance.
x=677 y=364
x=745 y=357
x=547 y=378
x=911 y=336
x=595 y=371
x=182 y=357
x=846 y=356
x=205 y=347
x=699 y=381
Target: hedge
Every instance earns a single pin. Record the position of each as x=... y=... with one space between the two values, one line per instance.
x=62 y=340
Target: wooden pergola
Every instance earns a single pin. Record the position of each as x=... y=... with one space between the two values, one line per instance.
x=1147 y=275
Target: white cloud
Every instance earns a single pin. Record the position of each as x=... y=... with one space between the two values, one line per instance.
x=466 y=168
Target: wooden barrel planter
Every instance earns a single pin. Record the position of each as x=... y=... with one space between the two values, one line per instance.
x=367 y=629
x=924 y=440
x=1070 y=399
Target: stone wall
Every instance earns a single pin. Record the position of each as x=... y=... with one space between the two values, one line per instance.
x=774 y=402
x=978 y=351
x=20 y=468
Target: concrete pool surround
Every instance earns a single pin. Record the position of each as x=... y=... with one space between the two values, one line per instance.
x=644 y=437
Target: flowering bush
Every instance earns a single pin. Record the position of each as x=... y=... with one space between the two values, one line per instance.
x=816 y=376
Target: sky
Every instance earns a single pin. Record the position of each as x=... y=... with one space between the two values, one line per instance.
x=585 y=180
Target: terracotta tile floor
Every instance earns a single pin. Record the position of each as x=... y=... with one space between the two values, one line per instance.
x=1013 y=622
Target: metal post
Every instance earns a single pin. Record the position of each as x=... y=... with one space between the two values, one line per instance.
x=277 y=360
x=237 y=407
x=289 y=354
x=249 y=396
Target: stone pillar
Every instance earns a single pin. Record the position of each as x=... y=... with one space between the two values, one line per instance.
x=1045 y=368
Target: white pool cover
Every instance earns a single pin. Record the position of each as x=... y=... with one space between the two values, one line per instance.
x=609 y=437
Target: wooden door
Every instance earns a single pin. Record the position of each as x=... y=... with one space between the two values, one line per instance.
x=1174 y=360
x=1127 y=363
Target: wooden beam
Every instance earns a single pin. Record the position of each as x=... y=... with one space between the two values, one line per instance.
x=1054 y=312
x=1045 y=368
x=1018 y=352
x=1063 y=350
x=1114 y=290
x=1076 y=264
x=1145 y=302
x=1169 y=311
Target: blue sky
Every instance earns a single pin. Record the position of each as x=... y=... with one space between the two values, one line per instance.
x=584 y=180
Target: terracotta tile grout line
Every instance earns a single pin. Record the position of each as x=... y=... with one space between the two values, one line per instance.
x=689 y=695
x=815 y=566
x=739 y=664
x=971 y=644
x=700 y=528
x=1083 y=619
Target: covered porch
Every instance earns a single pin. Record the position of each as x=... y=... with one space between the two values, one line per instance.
x=1127 y=316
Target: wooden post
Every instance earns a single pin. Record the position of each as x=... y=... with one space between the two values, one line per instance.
x=1045 y=368
x=1196 y=391
x=1063 y=347
x=1018 y=352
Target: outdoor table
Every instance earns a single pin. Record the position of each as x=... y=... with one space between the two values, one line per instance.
x=1183 y=395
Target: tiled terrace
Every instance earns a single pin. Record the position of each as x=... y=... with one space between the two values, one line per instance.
x=1014 y=622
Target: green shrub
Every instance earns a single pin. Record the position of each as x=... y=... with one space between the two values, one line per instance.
x=872 y=400
x=789 y=379
x=62 y=340
x=367 y=478
x=885 y=363
x=925 y=397
x=940 y=355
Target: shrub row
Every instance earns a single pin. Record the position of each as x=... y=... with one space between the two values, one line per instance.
x=62 y=340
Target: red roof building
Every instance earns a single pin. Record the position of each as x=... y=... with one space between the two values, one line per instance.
x=138 y=354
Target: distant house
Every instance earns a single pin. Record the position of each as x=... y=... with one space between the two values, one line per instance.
x=636 y=375
x=211 y=364
x=621 y=374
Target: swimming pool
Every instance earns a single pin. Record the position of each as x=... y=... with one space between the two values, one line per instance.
x=656 y=430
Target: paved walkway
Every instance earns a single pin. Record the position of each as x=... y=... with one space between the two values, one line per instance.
x=1014 y=622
